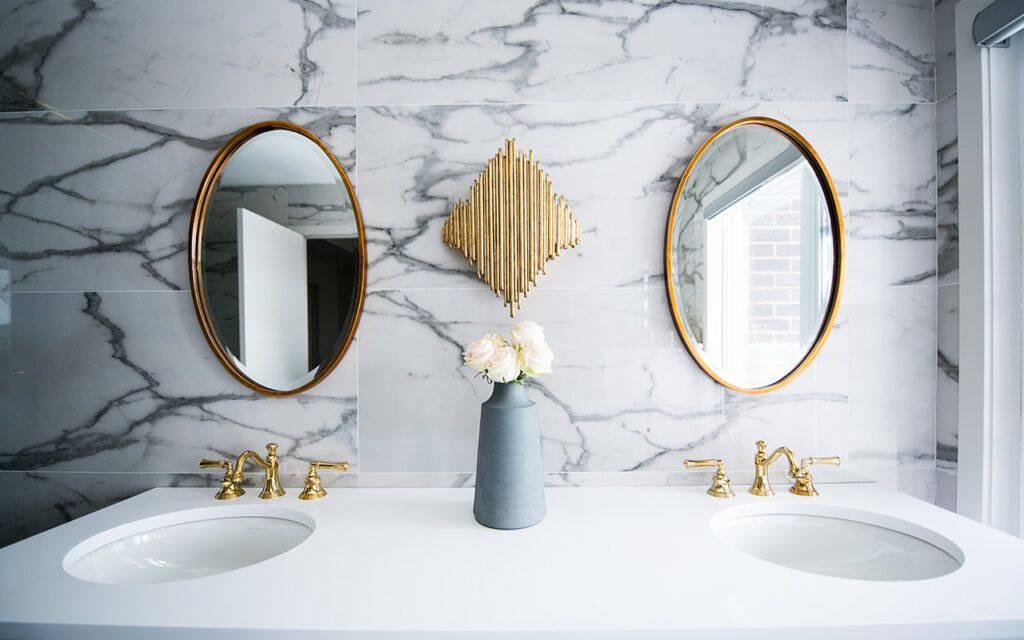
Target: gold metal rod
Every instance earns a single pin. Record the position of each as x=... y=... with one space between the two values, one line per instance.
x=511 y=224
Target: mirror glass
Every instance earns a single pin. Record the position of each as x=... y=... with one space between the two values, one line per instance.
x=754 y=255
x=277 y=258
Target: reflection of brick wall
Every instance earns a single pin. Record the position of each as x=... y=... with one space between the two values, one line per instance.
x=772 y=221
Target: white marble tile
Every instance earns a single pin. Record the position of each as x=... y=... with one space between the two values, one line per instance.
x=918 y=480
x=624 y=395
x=524 y=51
x=45 y=499
x=947 y=395
x=617 y=165
x=945 y=489
x=948 y=191
x=125 y=381
x=103 y=200
x=891 y=220
x=892 y=380
x=892 y=51
x=945 y=49
x=101 y=389
x=119 y=54
x=605 y=408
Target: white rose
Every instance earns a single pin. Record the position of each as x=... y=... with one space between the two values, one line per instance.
x=504 y=365
x=478 y=354
x=527 y=332
x=536 y=358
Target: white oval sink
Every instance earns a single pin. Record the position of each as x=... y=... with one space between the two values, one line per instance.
x=188 y=544
x=838 y=542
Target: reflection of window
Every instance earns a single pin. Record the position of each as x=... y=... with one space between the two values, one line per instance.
x=769 y=271
x=5 y=297
x=5 y=310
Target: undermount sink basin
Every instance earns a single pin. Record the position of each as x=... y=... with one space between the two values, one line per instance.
x=838 y=542
x=188 y=544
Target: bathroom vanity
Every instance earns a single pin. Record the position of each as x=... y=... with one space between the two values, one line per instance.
x=651 y=562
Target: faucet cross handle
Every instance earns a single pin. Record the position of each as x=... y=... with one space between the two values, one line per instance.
x=228 y=486
x=804 y=484
x=720 y=483
x=313 y=488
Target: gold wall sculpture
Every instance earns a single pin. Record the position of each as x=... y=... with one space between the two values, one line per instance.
x=512 y=224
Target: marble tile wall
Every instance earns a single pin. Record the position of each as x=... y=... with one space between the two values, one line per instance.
x=947 y=405
x=111 y=111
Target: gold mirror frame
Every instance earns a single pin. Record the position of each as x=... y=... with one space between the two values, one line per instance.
x=838 y=245
x=195 y=255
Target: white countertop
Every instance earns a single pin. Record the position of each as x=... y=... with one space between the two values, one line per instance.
x=606 y=562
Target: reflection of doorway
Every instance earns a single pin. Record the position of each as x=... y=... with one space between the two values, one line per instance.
x=332 y=276
x=273 y=321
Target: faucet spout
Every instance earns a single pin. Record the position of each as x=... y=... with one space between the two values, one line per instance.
x=271 y=484
x=789 y=456
x=762 y=461
x=249 y=455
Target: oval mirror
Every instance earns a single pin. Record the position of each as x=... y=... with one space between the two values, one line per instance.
x=754 y=255
x=277 y=258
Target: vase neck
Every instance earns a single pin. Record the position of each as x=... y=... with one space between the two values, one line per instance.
x=509 y=393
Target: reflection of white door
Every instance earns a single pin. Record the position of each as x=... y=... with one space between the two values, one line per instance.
x=273 y=320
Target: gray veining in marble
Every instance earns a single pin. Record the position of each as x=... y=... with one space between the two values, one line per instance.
x=945 y=49
x=606 y=409
x=452 y=52
x=46 y=499
x=115 y=108
x=948 y=400
x=109 y=54
x=891 y=233
x=125 y=381
x=415 y=161
x=948 y=191
x=892 y=51
x=104 y=200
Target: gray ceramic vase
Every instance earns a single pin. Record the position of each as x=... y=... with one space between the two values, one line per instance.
x=509 y=475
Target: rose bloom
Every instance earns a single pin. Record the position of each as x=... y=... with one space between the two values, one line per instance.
x=478 y=354
x=535 y=358
x=504 y=366
x=527 y=332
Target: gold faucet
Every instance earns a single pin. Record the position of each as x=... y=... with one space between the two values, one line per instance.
x=804 y=485
x=761 y=486
x=231 y=483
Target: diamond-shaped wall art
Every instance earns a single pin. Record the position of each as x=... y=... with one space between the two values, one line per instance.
x=512 y=224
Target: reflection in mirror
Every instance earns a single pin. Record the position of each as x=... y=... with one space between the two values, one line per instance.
x=278 y=258
x=754 y=255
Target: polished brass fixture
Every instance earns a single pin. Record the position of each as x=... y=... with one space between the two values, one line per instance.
x=271 y=485
x=231 y=484
x=511 y=225
x=313 y=488
x=761 y=486
x=719 y=483
x=228 y=487
x=804 y=485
